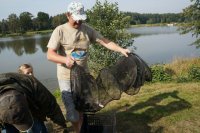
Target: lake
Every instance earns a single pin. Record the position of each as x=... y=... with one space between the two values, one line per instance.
x=154 y=45
x=163 y=44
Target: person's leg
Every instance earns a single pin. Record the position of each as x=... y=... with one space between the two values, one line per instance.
x=38 y=127
x=72 y=113
x=80 y=119
x=44 y=129
x=7 y=128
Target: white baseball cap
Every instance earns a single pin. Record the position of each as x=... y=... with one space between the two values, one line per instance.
x=77 y=11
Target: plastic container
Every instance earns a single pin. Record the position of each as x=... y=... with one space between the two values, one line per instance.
x=99 y=123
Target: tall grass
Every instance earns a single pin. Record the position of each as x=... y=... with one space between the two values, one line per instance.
x=180 y=66
x=180 y=70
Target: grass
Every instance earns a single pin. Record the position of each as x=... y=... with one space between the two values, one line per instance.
x=38 y=32
x=181 y=65
x=29 y=33
x=149 y=25
x=159 y=107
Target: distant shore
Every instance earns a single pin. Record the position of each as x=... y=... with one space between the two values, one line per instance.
x=31 y=33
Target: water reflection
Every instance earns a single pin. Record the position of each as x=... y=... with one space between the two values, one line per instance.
x=31 y=50
x=24 y=45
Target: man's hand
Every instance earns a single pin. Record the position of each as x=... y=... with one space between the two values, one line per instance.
x=125 y=52
x=69 y=61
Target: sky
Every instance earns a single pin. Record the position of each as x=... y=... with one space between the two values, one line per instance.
x=54 y=7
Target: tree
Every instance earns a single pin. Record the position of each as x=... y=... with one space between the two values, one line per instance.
x=13 y=23
x=106 y=18
x=192 y=15
x=25 y=21
x=43 y=21
x=58 y=20
x=4 y=27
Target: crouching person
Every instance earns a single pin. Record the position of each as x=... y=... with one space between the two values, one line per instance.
x=25 y=103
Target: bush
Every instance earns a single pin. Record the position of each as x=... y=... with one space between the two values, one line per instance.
x=194 y=73
x=159 y=74
x=112 y=24
x=182 y=79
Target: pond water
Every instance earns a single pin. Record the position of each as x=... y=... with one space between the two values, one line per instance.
x=154 y=45
x=163 y=44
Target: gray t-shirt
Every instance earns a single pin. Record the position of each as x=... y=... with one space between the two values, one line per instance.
x=67 y=40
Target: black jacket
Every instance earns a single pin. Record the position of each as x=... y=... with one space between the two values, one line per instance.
x=41 y=102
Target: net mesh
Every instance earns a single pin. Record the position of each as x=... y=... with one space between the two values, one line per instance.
x=127 y=75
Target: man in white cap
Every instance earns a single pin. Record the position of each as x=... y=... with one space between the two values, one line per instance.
x=69 y=43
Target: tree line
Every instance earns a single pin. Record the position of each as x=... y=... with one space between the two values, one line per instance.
x=148 y=18
x=27 y=22
x=43 y=21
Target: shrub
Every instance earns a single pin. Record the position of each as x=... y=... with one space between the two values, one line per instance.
x=194 y=73
x=182 y=79
x=159 y=74
x=112 y=24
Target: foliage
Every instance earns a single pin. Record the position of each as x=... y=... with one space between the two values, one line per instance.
x=42 y=21
x=184 y=69
x=4 y=27
x=106 y=18
x=25 y=21
x=194 y=73
x=58 y=20
x=192 y=13
x=159 y=74
x=149 y=18
x=36 y=24
x=182 y=79
x=13 y=23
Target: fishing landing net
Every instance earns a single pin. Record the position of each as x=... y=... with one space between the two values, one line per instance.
x=127 y=75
